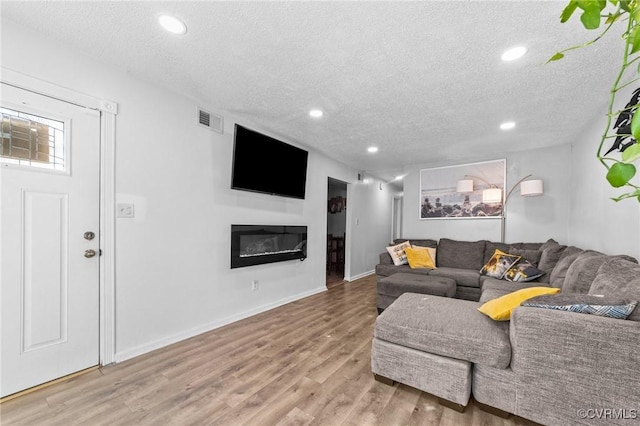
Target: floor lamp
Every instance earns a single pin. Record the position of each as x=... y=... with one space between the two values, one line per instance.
x=493 y=194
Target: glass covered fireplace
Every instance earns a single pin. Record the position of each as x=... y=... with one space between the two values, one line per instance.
x=259 y=244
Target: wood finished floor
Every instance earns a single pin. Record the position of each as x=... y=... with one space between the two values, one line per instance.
x=306 y=363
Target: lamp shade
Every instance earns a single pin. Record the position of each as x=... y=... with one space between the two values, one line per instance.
x=530 y=188
x=465 y=185
x=492 y=195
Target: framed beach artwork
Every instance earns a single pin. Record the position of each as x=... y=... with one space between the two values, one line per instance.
x=440 y=199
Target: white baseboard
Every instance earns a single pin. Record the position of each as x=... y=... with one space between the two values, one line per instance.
x=143 y=349
x=362 y=275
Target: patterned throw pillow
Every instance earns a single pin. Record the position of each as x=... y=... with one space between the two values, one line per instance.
x=618 y=308
x=499 y=264
x=523 y=271
x=397 y=253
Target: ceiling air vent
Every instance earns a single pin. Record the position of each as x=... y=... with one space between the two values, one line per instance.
x=210 y=121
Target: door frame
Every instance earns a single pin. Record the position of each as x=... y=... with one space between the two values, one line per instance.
x=108 y=111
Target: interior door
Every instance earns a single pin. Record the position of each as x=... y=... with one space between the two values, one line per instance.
x=49 y=252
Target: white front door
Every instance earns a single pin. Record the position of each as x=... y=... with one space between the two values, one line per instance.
x=49 y=199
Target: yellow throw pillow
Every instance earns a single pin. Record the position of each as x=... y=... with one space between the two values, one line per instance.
x=432 y=251
x=419 y=257
x=500 y=309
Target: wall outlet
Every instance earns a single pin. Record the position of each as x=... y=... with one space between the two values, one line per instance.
x=254 y=285
x=124 y=210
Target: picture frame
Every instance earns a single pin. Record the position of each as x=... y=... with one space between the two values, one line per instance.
x=439 y=198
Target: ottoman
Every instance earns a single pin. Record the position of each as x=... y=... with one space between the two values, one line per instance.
x=392 y=287
x=430 y=343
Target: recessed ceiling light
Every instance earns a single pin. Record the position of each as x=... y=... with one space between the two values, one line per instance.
x=514 y=53
x=316 y=113
x=508 y=125
x=372 y=149
x=399 y=177
x=172 y=24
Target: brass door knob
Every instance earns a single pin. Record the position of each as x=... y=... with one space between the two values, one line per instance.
x=89 y=253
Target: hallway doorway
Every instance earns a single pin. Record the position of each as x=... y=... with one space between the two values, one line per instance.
x=336 y=231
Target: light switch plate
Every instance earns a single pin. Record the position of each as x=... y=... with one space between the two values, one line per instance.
x=124 y=210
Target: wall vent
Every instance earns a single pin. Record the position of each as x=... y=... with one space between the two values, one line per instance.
x=210 y=121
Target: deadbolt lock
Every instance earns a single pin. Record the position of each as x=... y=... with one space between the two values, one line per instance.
x=89 y=235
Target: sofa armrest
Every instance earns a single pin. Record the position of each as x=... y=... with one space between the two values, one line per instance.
x=565 y=362
x=385 y=258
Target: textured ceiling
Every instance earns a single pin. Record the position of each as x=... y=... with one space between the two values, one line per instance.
x=423 y=81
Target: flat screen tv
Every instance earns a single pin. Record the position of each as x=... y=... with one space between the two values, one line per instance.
x=267 y=165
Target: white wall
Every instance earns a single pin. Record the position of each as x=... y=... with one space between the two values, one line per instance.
x=370 y=226
x=173 y=278
x=597 y=222
x=529 y=219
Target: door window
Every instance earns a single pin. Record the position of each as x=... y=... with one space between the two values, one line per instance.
x=31 y=140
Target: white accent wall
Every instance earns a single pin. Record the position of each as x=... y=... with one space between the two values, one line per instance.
x=529 y=219
x=173 y=276
x=597 y=222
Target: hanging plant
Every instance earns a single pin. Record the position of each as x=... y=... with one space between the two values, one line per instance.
x=626 y=130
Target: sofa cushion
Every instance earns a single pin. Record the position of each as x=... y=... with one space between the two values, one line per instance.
x=425 y=323
x=500 y=309
x=492 y=293
x=506 y=286
x=397 y=253
x=531 y=256
x=618 y=277
x=463 y=277
x=583 y=271
x=398 y=284
x=421 y=243
x=385 y=258
x=460 y=254
x=490 y=248
x=557 y=276
x=527 y=246
x=388 y=270
x=548 y=260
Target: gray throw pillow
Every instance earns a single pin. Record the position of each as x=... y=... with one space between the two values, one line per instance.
x=460 y=254
x=549 y=258
x=559 y=273
x=583 y=271
x=533 y=256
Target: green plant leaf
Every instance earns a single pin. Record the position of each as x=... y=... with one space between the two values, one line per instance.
x=632 y=153
x=568 y=11
x=591 y=18
x=612 y=17
x=635 y=194
x=634 y=39
x=624 y=5
x=556 y=57
x=620 y=174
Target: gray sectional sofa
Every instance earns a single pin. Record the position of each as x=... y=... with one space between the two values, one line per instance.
x=550 y=366
x=459 y=260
